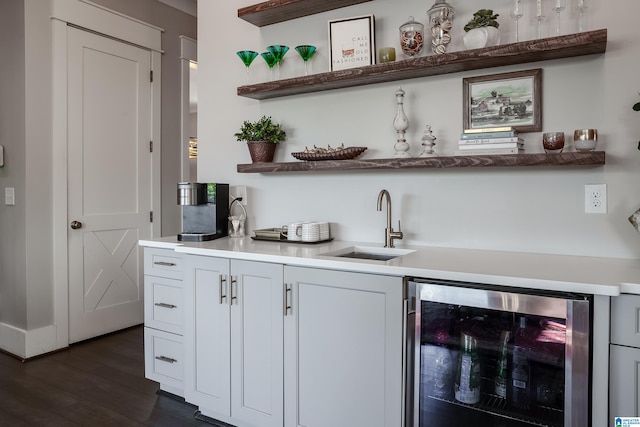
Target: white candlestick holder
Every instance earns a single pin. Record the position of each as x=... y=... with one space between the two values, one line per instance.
x=401 y=124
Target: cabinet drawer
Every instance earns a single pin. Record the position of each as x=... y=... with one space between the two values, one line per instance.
x=163 y=263
x=163 y=357
x=625 y=320
x=163 y=304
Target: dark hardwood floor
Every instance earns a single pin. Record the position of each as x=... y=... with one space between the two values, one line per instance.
x=99 y=382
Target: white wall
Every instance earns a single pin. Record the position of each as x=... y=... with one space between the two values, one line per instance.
x=516 y=209
x=12 y=175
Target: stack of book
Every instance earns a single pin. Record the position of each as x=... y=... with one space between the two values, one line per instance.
x=498 y=140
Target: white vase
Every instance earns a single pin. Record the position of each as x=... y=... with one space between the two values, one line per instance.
x=477 y=38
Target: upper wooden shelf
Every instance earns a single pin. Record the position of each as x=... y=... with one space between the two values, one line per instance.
x=588 y=158
x=579 y=44
x=274 y=11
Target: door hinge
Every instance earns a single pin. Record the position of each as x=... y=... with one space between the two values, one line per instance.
x=151 y=76
x=151 y=216
x=151 y=146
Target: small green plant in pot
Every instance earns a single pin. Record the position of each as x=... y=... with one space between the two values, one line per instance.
x=261 y=137
x=482 y=30
x=483 y=18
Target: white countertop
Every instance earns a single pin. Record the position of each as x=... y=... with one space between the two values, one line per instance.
x=590 y=275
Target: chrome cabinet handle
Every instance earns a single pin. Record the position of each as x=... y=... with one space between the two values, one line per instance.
x=165 y=264
x=221 y=296
x=285 y=296
x=165 y=305
x=166 y=359
x=234 y=293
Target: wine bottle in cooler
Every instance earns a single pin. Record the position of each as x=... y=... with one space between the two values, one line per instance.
x=467 y=383
x=520 y=370
x=502 y=372
x=443 y=368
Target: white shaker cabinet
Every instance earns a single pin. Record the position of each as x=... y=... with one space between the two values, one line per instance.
x=164 y=318
x=343 y=349
x=624 y=371
x=234 y=340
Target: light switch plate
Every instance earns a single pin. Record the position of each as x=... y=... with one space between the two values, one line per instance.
x=9 y=196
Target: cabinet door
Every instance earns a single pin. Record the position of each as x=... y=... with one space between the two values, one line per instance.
x=625 y=320
x=207 y=335
x=624 y=382
x=343 y=349
x=257 y=379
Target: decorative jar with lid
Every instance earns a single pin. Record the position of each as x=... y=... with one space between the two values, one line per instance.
x=440 y=21
x=411 y=37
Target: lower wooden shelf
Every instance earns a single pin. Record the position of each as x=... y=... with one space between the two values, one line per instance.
x=588 y=158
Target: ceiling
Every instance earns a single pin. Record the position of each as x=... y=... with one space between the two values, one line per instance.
x=187 y=6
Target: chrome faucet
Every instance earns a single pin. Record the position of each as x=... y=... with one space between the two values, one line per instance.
x=389 y=234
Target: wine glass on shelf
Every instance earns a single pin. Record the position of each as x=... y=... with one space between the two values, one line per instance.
x=271 y=61
x=516 y=14
x=306 y=52
x=278 y=51
x=558 y=6
x=582 y=7
x=247 y=57
x=540 y=19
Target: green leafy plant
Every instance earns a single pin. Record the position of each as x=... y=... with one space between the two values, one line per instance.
x=483 y=18
x=262 y=130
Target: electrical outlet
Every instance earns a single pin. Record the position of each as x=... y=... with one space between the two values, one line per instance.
x=236 y=191
x=595 y=198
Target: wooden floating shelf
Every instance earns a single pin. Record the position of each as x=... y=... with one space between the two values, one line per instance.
x=571 y=45
x=274 y=11
x=588 y=158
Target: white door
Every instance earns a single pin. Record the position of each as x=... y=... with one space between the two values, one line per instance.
x=109 y=181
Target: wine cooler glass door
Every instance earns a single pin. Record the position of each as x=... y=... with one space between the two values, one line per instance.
x=499 y=358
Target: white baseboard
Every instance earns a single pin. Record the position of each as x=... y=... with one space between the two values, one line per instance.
x=26 y=344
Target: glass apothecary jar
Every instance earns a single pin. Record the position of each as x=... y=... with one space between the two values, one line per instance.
x=411 y=37
x=440 y=21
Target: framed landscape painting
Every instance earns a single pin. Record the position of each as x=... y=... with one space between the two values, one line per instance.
x=508 y=99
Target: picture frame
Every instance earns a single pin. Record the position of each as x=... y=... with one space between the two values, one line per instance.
x=507 y=99
x=351 y=42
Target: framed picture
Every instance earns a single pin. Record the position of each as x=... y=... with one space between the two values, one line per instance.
x=352 y=42
x=508 y=99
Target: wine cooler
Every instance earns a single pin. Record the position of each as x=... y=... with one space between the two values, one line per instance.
x=496 y=356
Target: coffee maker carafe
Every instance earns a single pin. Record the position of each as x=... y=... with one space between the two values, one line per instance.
x=205 y=209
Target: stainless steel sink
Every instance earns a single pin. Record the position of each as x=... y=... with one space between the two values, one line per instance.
x=368 y=253
x=364 y=255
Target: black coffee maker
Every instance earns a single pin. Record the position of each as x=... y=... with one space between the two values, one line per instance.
x=205 y=210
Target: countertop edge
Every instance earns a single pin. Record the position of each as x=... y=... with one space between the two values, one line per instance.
x=514 y=269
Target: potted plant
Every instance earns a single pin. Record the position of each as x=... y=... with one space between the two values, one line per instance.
x=482 y=30
x=261 y=137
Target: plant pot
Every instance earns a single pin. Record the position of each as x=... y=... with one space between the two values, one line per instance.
x=477 y=38
x=261 y=151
